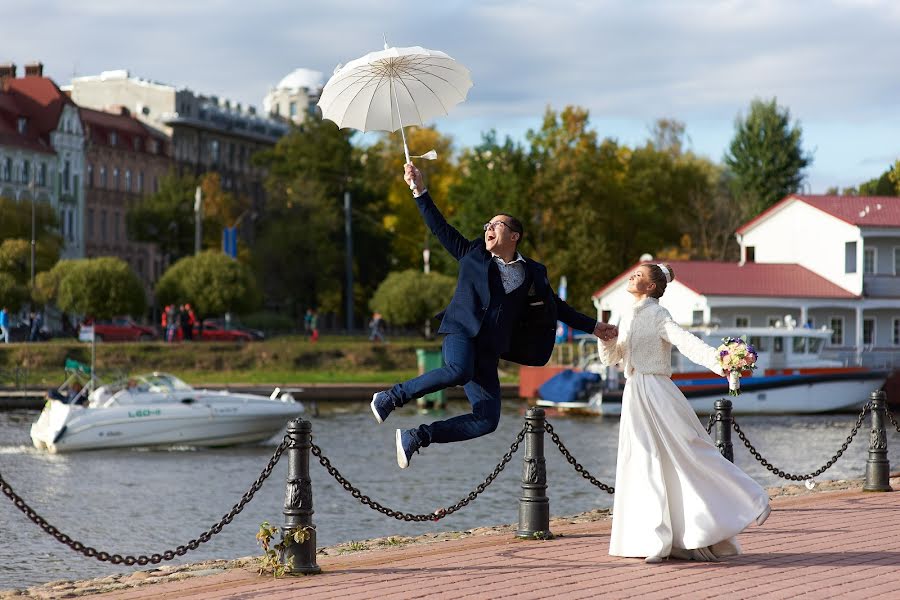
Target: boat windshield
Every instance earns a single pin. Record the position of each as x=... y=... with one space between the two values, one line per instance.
x=166 y=382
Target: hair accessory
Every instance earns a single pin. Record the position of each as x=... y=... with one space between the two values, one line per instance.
x=665 y=273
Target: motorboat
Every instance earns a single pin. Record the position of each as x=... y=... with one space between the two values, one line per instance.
x=159 y=409
x=792 y=377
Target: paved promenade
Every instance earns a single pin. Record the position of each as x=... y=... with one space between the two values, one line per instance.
x=840 y=544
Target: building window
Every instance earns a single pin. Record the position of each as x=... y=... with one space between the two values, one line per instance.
x=113 y=138
x=26 y=171
x=115 y=183
x=896 y=260
x=293 y=109
x=897 y=332
x=42 y=175
x=837 y=331
x=154 y=146
x=214 y=151
x=742 y=321
x=90 y=223
x=697 y=317
x=70 y=215
x=870 y=257
x=116 y=226
x=750 y=254
x=22 y=124
x=90 y=176
x=140 y=182
x=6 y=169
x=869 y=331
x=137 y=144
x=103 y=225
x=67 y=174
x=850 y=257
x=127 y=180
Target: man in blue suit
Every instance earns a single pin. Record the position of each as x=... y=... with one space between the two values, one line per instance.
x=503 y=306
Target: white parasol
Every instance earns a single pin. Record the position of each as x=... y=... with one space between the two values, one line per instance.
x=392 y=88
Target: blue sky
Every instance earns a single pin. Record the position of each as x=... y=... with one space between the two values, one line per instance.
x=831 y=62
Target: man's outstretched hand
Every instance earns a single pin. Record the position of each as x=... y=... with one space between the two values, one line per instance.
x=413 y=177
x=605 y=331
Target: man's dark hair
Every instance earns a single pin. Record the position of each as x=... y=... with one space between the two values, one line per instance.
x=514 y=224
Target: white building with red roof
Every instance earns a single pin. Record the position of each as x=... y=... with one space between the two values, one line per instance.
x=824 y=261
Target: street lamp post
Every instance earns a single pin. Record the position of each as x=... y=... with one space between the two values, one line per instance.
x=348 y=257
x=31 y=188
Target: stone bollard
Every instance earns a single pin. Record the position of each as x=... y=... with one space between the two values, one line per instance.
x=723 y=426
x=298 y=504
x=534 y=505
x=877 y=466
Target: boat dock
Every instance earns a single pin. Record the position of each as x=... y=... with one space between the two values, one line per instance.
x=320 y=392
x=823 y=544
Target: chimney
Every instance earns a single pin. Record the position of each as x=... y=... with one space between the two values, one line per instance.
x=7 y=71
x=34 y=69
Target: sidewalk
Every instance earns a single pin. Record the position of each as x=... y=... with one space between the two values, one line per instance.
x=841 y=544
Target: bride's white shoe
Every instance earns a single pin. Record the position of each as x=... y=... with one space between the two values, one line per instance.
x=763 y=515
x=652 y=560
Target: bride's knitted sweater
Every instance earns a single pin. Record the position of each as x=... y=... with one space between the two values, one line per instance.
x=646 y=336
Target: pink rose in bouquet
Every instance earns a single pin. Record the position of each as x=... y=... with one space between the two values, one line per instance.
x=735 y=357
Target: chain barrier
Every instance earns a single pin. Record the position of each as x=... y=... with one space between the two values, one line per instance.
x=436 y=515
x=711 y=422
x=891 y=417
x=571 y=459
x=143 y=559
x=817 y=472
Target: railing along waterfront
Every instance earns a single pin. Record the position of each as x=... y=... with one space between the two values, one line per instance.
x=534 y=504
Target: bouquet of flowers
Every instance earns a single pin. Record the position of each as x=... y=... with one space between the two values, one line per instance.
x=735 y=357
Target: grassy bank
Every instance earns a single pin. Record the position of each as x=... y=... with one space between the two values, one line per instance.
x=284 y=360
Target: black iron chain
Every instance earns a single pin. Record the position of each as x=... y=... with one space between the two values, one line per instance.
x=710 y=422
x=578 y=468
x=436 y=515
x=891 y=417
x=143 y=559
x=817 y=472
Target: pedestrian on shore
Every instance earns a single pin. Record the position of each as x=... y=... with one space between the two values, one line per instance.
x=4 y=325
x=187 y=324
x=37 y=322
x=375 y=328
x=171 y=323
x=676 y=495
x=307 y=322
x=313 y=325
x=503 y=307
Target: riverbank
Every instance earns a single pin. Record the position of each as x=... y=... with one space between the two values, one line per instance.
x=783 y=542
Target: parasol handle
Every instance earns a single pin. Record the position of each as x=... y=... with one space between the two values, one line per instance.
x=412 y=186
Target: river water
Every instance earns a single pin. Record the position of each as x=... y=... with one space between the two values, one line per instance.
x=143 y=502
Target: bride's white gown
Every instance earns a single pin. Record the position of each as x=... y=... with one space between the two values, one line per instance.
x=674 y=490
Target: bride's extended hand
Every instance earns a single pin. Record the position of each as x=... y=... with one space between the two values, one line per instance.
x=605 y=331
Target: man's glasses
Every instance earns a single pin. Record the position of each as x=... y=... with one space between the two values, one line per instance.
x=493 y=225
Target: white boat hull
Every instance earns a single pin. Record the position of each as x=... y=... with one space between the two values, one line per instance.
x=65 y=428
x=801 y=398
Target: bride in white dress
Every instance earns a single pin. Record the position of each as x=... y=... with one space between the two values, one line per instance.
x=676 y=495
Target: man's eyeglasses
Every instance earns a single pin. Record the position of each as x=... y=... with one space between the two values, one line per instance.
x=493 y=225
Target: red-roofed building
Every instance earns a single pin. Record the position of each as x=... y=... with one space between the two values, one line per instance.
x=824 y=261
x=126 y=160
x=42 y=149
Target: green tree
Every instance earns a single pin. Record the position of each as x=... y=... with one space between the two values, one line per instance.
x=411 y=297
x=101 y=288
x=167 y=217
x=15 y=234
x=15 y=258
x=299 y=255
x=211 y=282
x=766 y=157
x=46 y=283
x=12 y=293
x=493 y=178
x=885 y=184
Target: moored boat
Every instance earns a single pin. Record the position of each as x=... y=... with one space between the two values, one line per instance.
x=792 y=377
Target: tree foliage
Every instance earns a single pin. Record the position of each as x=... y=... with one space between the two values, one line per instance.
x=211 y=282
x=100 y=288
x=766 y=157
x=12 y=293
x=300 y=250
x=46 y=283
x=167 y=217
x=411 y=297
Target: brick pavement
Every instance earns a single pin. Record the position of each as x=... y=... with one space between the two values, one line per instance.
x=843 y=544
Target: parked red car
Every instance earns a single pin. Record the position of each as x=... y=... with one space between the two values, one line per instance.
x=121 y=329
x=214 y=331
